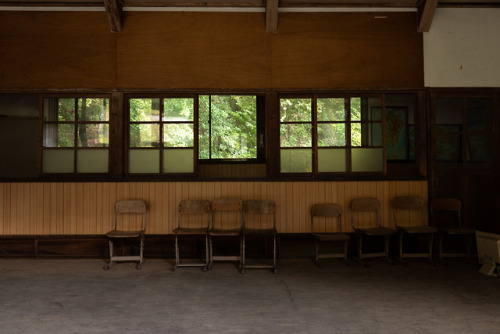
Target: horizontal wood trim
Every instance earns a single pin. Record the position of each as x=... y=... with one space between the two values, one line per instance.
x=87 y=208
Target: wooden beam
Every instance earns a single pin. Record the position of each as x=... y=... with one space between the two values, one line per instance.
x=272 y=16
x=426 y=14
x=114 y=11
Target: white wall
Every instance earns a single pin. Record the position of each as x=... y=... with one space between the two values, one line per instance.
x=462 y=48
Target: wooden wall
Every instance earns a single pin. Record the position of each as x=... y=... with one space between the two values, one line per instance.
x=87 y=208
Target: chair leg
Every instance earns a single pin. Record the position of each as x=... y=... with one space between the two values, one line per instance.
x=211 y=256
x=440 y=247
x=177 y=257
x=242 y=253
x=316 y=253
x=346 y=252
x=360 y=249
x=207 y=255
x=141 y=261
x=431 y=245
x=387 y=240
x=110 y=263
x=401 y=247
x=275 y=269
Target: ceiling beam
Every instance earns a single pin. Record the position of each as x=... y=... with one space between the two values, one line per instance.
x=114 y=11
x=272 y=16
x=426 y=14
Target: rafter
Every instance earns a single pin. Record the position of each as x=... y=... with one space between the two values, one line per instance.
x=272 y=16
x=114 y=11
x=426 y=14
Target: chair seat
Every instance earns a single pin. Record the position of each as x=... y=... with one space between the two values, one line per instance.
x=124 y=234
x=418 y=229
x=259 y=231
x=185 y=230
x=458 y=231
x=374 y=231
x=331 y=237
x=223 y=232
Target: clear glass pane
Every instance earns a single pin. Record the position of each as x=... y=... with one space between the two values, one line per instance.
x=178 y=135
x=295 y=110
x=93 y=135
x=178 y=161
x=376 y=134
x=144 y=161
x=367 y=160
x=92 y=161
x=58 y=161
x=178 y=109
x=144 y=135
x=233 y=127
x=59 y=110
x=58 y=135
x=296 y=161
x=448 y=147
x=204 y=127
x=331 y=160
x=478 y=148
x=145 y=110
x=331 y=109
x=93 y=109
x=355 y=109
x=478 y=114
x=397 y=135
x=296 y=135
x=356 y=134
x=449 y=110
x=331 y=134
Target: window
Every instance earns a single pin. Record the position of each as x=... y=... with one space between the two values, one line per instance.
x=161 y=135
x=323 y=134
x=228 y=127
x=75 y=135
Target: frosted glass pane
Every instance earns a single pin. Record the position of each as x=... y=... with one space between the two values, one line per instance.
x=178 y=161
x=92 y=161
x=296 y=161
x=367 y=160
x=331 y=160
x=144 y=161
x=58 y=161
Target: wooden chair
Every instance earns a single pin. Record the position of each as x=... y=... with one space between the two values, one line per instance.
x=227 y=220
x=332 y=214
x=190 y=209
x=261 y=208
x=443 y=209
x=371 y=206
x=126 y=207
x=413 y=203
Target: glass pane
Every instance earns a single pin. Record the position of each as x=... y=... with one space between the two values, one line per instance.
x=355 y=109
x=478 y=148
x=144 y=161
x=93 y=109
x=145 y=110
x=178 y=110
x=449 y=110
x=178 y=135
x=58 y=135
x=144 y=135
x=296 y=161
x=448 y=147
x=356 y=134
x=93 y=135
x=296 y=135
x=58 y=110
x=331 y=109
x=204 y=127
x=396 y=133
x=367 y=160
x=92 y=161
x=374 y=104
x=233 y=127
x=478 y=114
x=376 y=134
x=58 y=161
x=331 y=134
x=331 y=160
x=178 y=161
x=295 y=110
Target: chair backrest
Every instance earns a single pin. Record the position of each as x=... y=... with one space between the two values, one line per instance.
x=194 y=207
x=132 y=206
x=365 y=205
x=227 y=205
x=327 y=210
x=408 y=203
x=259 y=207
x=445 y=204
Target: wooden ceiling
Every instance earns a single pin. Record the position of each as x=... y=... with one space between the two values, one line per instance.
x=114 y=8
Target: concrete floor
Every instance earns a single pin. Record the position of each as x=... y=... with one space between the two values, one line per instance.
x=77 y=296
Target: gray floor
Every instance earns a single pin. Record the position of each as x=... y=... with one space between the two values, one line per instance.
x=77 y=296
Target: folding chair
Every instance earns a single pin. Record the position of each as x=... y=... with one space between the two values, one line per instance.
x=446 y=216
x=332 y=215
x=127 y=207
x=192 y=209
x=413 y=204
x=369 y=207
x=227 y=220
x=254 y=208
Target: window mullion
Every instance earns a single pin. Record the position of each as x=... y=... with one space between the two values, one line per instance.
x=347 y=103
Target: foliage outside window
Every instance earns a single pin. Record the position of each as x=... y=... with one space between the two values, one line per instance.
x=75 y=135
x=331 y=134
x=227 y=127
x=161 y=135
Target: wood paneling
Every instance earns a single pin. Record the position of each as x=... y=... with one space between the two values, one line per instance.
x=87 y=208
